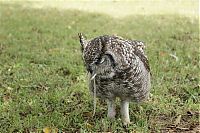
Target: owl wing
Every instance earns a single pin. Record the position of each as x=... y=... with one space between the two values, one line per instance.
x=119 y=49
x=142 y=57
x=139 y=47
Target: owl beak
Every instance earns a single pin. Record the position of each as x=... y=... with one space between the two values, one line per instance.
x=93 y=75
x=102 y=60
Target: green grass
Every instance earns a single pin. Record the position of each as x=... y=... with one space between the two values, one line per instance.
x=43 y=80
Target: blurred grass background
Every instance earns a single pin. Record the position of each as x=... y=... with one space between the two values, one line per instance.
x=43 y=81
x=117 y=8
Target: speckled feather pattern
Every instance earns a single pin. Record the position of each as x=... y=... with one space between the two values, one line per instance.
x=125 y=73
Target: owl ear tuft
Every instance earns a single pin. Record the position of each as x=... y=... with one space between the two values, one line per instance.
x=83 y=40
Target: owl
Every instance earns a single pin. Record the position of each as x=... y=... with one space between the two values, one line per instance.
x=117 y=67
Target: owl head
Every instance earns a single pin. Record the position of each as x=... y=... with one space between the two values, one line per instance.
x=96 y=59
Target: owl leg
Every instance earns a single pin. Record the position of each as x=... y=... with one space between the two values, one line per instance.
x=111 y=108
x=124 y=108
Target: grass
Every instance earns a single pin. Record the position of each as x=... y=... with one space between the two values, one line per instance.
x=43 y=81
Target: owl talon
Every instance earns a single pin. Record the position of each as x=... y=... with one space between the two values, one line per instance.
x=126 y=123
x=93 y=76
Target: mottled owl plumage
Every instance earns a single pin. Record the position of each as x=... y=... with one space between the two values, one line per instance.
x=120 y=68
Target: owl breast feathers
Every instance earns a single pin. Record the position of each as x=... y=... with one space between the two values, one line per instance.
x=119 y=66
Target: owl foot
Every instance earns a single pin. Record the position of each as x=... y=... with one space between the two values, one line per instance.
x=111 y=115
x=126 y=123
x=111 y=109
x=126 y=126
x=125 y=112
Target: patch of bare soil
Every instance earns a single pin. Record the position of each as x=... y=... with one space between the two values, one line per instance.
x=186 y=123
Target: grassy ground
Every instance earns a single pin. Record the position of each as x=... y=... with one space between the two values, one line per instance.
x=43 y=81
